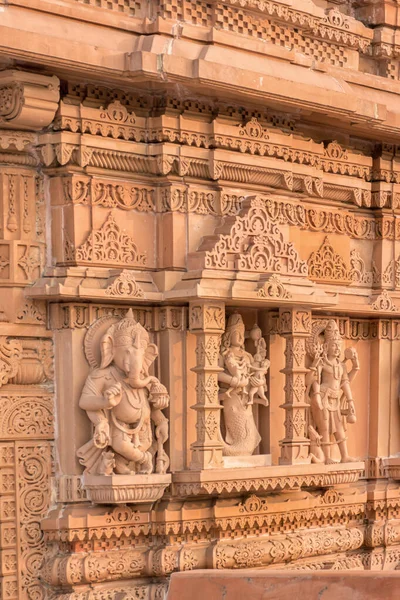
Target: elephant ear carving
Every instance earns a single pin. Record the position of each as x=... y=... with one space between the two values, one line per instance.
x=107 y=350
x=149 y=357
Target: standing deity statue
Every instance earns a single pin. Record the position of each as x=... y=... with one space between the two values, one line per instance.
x=330 y=396
x=123 y=401
x=241 y=382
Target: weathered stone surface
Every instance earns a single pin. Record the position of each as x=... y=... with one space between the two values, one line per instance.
x=233 y=585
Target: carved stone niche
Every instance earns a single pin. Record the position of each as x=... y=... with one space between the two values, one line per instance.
x=125 y=460
x=242 y=383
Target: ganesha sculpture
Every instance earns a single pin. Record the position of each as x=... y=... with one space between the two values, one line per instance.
x=123 y=401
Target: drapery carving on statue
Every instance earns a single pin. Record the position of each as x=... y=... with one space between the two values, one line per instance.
x=249 y=242
x=123 y=401
x=329 y=392
x=242 y=382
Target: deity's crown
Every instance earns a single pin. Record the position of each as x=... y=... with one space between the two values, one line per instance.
x=332 y=332
x=234 y=320
x=126 y=329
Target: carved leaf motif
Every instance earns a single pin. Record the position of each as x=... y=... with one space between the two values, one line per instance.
x=26 y=416
x=110 y=245
x=274 y=288
x=32 y=314
x=358 y=272
x=384 y=303
x=30 y=261
x=125 y=285
x=253 y=129
x=10 y=356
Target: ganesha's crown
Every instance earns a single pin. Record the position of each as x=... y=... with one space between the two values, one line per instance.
x=126 y=329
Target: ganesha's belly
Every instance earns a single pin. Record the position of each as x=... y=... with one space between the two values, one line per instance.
x=130 y=412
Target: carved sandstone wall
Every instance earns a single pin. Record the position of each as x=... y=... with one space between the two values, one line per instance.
x=199 y=291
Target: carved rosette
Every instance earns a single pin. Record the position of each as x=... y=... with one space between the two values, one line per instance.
x=295 y=327
x=207 y=322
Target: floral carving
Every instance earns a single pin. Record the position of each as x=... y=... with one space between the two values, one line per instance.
x=327 y=265
x=358 y=272
x=335 y=151
x=11 y=98
x=253 y=504
x=26 y=416
x=122 y=195
x=274 y=288
x=384 y=303
x=32 y=314
x=125 y=285
x=117 y=113
x=10 y=356
x=253 y=129
x=30 y=261
x=248 y=555
x=110 y=245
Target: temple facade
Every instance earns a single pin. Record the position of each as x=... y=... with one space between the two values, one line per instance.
x=199 y=291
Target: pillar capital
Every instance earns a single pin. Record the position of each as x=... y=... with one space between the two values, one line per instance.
x=207 y=316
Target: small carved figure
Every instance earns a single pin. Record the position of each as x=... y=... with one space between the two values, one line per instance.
x=259 y=368
x=124 y=403
x=239 y=376
x=331 y=399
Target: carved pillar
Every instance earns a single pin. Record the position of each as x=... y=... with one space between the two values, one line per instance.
x=207 y=322
x=171 y=326
x=295 y=327
x=27 y=102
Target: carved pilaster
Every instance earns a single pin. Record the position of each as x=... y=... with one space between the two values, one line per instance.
x=170 y=324
x=295 y=327
x=207 y=322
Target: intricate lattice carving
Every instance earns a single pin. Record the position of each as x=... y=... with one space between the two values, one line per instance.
x=327 y=265
x=251 y=242
x=109 y=245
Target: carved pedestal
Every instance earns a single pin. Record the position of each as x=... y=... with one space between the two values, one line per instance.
x=121 y=489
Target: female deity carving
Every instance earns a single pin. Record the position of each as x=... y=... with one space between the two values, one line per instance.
x=124 y=402
x=331 y=400
x=242 y=382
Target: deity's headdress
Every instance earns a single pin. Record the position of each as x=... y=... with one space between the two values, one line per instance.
x=234 y=323
x=126 y=330
x=332 y=332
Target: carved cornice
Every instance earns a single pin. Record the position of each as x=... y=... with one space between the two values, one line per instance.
x=27 y=100
x=224 y=482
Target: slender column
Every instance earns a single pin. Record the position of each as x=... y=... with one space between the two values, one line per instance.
x=207 y=322
x=295 y=327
